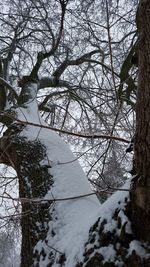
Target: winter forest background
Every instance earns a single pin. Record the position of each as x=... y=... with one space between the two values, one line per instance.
x=66 y=66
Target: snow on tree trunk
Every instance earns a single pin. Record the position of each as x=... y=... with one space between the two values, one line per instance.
x=121 y=235
x=53 y=230
x=55 y=226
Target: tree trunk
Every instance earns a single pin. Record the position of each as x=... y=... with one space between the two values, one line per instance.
x=47 y=173
x=34 y=183
x=127 y=244
x=35 y=180
x=140 y=193
x=51 y=228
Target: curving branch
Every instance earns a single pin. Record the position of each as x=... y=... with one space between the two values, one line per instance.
x=41 y=56
x=125 y=77
x=82 y=135
x=77 y=61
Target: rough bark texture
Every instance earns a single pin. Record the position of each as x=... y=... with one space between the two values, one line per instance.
x=27 y=158
x=34 y=182
x=137 y=208
x=140 y=194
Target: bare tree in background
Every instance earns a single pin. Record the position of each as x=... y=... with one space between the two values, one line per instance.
x=75 y=60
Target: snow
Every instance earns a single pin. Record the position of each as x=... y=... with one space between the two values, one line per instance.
x=124 y=220
x=138 y=247
x=71 y=218
x=108 y=253
x=114 y=202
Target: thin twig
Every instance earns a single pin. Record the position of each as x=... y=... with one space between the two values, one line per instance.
x=82 y=135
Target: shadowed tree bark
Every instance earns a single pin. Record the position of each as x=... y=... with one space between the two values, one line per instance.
x=126 y=244
x=28 y=156
x=140 y=194
x=34 y=179
x=22 y=147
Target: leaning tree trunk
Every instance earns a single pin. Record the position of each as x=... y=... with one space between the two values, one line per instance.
x=48 y=176
x=51 y=228
x=140 y=194
x=34 y=183
x=34 y=178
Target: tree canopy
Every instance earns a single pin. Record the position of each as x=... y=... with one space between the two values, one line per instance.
x=73 y=67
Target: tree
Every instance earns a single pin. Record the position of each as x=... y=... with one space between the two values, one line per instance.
x=89 y=85
x=53 y=190
x=140 y=193
x=127 y=242
x=39 y=192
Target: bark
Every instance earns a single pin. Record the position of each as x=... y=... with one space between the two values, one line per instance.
x=26 y=157
x=137 y=206
x=46 y=224
x=140 y=193
x=35 y=180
